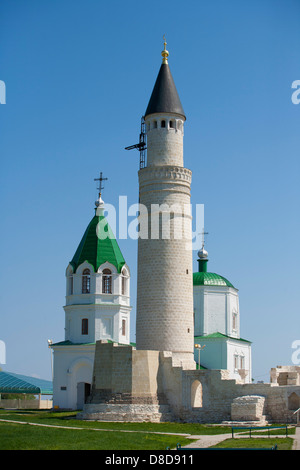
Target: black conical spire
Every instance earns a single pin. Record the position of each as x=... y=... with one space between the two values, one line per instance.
x=164 y=98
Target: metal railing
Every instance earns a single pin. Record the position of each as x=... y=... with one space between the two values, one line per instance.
x=251 y=428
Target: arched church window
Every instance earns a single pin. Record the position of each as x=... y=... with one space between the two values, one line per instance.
x=124 y=282
x=86 y=281
x=106 y=281
x=234 y=320
x=123 y=327
x=70 y=285
x=172 y=125
x=163 y=123
x=84 y=326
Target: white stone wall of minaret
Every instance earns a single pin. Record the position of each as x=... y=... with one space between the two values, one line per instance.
x=164 y=140
x=165 y=272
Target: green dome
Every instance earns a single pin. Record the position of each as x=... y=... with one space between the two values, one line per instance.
x=210 y=279
x=96 y=250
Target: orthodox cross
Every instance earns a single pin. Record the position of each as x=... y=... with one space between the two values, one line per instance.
x=203 y=233
x=101 y=186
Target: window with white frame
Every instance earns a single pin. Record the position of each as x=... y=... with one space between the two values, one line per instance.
x=70 y=285
x=86 y=281
x=124 y=282
x=106 y=281
x=234 y=320
x=84 y=326
x=123 y=327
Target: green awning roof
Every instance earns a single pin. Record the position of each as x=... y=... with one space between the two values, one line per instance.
x=15 y=383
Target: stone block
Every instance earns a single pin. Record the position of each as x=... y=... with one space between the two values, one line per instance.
x=248 y=408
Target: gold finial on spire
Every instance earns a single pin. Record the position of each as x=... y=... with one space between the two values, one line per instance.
x=165 y=53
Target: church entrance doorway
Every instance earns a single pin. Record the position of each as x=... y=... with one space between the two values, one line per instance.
x=83 y=391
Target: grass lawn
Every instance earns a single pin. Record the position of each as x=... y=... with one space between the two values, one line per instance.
x=14 y=436
x=28 y=437
x=94 y=435
x=61 y=418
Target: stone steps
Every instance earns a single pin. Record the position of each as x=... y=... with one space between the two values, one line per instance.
x=261 y=422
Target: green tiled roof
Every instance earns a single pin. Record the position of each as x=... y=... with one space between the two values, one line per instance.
x=220 y=335
x=15 y=383
x=70 y=343
x=96 y=250
x=210 y=279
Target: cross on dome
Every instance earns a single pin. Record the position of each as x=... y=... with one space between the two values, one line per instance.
x=165 y=53
x=99 y=202
x=202 y=253
x=100 y=179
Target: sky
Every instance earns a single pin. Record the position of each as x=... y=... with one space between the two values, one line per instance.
x=78 y=76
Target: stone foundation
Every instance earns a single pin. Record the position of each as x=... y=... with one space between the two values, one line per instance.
x=127 y=413
x=140 y=385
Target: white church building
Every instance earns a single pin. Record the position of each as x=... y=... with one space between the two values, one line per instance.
x=217 y=324
x=189 y=362
x=97 y=303
x=97 y=307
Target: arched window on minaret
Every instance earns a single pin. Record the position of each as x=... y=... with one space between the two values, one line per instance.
x=106 y=281
x=86 y=281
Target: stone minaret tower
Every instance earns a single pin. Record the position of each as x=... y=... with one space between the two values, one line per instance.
x=165 y=274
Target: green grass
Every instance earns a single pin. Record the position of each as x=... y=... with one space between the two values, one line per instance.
x=14 y=436
x=28 y=437
x=69 y=419
x=94 y=435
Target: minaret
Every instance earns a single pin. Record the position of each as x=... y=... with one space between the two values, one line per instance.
x=165 y=274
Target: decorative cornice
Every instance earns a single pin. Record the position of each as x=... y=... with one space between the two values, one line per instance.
x=168 y=173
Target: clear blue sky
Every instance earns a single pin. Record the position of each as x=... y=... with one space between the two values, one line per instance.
x=78 y=75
